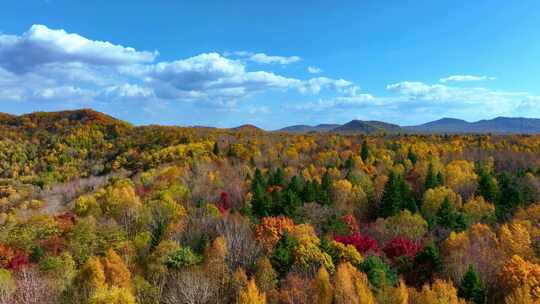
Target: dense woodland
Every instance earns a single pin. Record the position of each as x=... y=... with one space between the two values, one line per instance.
x=97 y=211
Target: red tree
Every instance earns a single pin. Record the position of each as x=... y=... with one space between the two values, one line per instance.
x=362 y=243
x=224 y=203
x=400 y=246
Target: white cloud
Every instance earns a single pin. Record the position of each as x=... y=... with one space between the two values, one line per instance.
x=127 y=92
x=529 y=106
x=212 y=76
x=264 y=58
x=429 y=101
x=457 y=95
x=339 y=103
x=62 y=93
x=472 y=103
x=315 y=85
x=313 y=70
x=464 y=78
x=41 y=45
x=419 y=90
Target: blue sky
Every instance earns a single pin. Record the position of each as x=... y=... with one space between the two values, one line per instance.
x=272 y=63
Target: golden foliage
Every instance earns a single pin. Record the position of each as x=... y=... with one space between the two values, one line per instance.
x=116 y=271
x=434 y=198
x=322 y=289
x=439 y=292
x=270 y=230
x=251 y=294
x=518 y=272
x=113 y=295
x=352 y=286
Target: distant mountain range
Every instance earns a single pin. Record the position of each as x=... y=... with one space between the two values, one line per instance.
x=51 y=121
x=499 y=125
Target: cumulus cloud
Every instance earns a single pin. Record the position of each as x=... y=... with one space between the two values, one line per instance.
x=315 y=85
x=464 y=78
x=420 y=90
x=41 y=45
x=212 y=76
x=313 y=70
x=457 y=95
x=62 y=93
x=126 y=92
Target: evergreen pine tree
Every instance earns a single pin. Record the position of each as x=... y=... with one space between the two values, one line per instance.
x=279 y=178
x=282 y=257
x=215 y=150
x=427 y=263
x=487 y=186
x=296 y=185
x=412 y=156
x=444 y=214
x=260 y=202
x=349 y=163
x=471 y=288
x=449 y=218
x=391 y=200
x=397 y=195
x=510 y=197
x=432 y=179
x=309 y=194
x=290 y=204
x=323 y=192
x=440 y=180
x=364 y=152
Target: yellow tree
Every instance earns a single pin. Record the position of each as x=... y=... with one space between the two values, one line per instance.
x=478 y=209
x=308 y=252
x=479 y=247
x=214 y=262
x=439 y=292
x=251 y=294
x=455 y=254
x=405 y=224
x=116 y=271
x=322 y=290
x=433 y=199
x=518 y=272
x=515 y=239
x=93 y=274
x=239 y=281
x=461 y=177
x=113 y=295
x=265 y=276
x=520 y=295
x=393 y=295
x=352 y=286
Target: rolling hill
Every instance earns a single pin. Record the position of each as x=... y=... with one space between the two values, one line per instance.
x=367 y=127
x=308 y=129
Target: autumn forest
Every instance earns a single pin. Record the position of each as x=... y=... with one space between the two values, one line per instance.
x=94 y=210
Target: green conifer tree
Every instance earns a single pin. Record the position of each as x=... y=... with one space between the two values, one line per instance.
x=471 y=288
